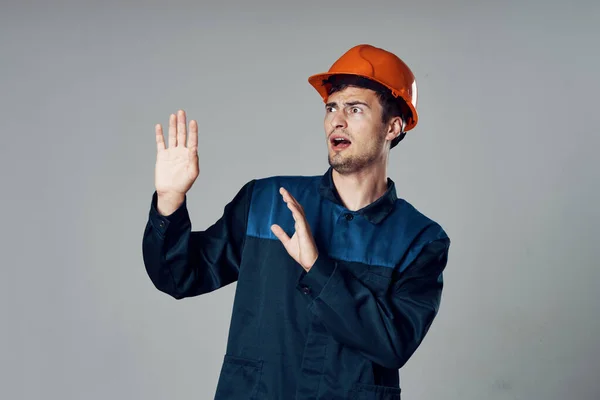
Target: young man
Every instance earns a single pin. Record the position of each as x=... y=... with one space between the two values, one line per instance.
x=338 y=279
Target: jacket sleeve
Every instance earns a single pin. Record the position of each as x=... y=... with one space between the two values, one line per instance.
x=185 y=263
x=386 y=329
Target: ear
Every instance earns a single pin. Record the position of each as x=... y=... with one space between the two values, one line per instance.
x=395 y=128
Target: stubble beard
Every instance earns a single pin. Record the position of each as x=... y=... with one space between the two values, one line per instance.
x=348 y=164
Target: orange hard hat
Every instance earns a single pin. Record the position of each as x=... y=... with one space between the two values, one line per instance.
x=377 y=65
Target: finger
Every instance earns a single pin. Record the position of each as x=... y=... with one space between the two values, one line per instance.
x=172 y=131
x=301 y=224
x=160 y=140
x=181 y=125
x=294 y=211
x=291 y=198
x=193 y=138
x=280 y=234
x=288 y=198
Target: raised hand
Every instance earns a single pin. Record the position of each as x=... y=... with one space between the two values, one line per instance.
x=177 y=166
x=301 y=246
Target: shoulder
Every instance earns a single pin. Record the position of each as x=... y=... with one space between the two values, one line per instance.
x=416 y=233
x=295 y=184
x=416 y=220
x=296 y=180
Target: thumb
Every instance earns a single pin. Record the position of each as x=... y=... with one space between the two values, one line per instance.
x=280 y=233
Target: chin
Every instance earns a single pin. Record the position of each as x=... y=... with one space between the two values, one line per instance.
x=342 y=166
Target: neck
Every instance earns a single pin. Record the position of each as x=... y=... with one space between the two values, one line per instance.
x=359 y=189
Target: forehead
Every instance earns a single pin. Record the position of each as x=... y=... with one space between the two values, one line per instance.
x=353 y=93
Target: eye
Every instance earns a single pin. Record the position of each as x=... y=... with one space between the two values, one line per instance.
x=329 y=109
x=355 y=110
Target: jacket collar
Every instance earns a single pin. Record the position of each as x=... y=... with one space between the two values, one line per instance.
x=374 y=212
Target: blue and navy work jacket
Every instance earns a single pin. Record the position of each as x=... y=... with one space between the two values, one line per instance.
x=340 y=331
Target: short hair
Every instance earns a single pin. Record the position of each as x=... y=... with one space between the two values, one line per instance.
x=392 y=106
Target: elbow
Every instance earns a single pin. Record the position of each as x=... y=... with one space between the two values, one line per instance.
x=164 y=282
x=169 y=290
x=398 y=362
x=177 y=296
x=394 y=361
x=402 y=351
x=164 y=287
x=397 y=354
x=408 y=339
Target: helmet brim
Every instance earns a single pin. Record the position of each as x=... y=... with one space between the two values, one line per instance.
x=317 y=82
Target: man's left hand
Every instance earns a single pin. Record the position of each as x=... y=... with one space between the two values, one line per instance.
x=301 y=246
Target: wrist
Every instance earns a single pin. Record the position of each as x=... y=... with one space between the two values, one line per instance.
x=168 y=203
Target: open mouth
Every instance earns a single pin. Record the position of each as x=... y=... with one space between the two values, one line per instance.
x=339 y=143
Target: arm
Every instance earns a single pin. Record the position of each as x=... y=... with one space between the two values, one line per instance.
x=387 y=330
x=183 y=263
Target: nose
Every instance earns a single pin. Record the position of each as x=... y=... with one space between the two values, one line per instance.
x=338 y=121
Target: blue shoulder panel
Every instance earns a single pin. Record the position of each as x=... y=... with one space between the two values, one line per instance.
x=396 y=241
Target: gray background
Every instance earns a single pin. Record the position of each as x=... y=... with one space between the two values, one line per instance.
x=504 y=157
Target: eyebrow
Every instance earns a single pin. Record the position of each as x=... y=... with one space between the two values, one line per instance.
x=350 y=103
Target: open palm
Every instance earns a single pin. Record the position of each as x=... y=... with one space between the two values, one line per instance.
x=177 y=166
x=301 y=246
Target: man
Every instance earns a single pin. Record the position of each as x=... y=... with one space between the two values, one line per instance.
x=338 y=279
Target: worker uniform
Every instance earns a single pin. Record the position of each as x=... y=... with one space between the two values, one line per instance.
x=341 y=330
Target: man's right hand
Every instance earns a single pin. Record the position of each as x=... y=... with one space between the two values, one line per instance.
x=176 y=166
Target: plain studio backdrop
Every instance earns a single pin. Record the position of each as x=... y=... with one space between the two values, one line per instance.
x=505 y=158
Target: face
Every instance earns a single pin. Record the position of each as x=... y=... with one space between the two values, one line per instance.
x=354 y=115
